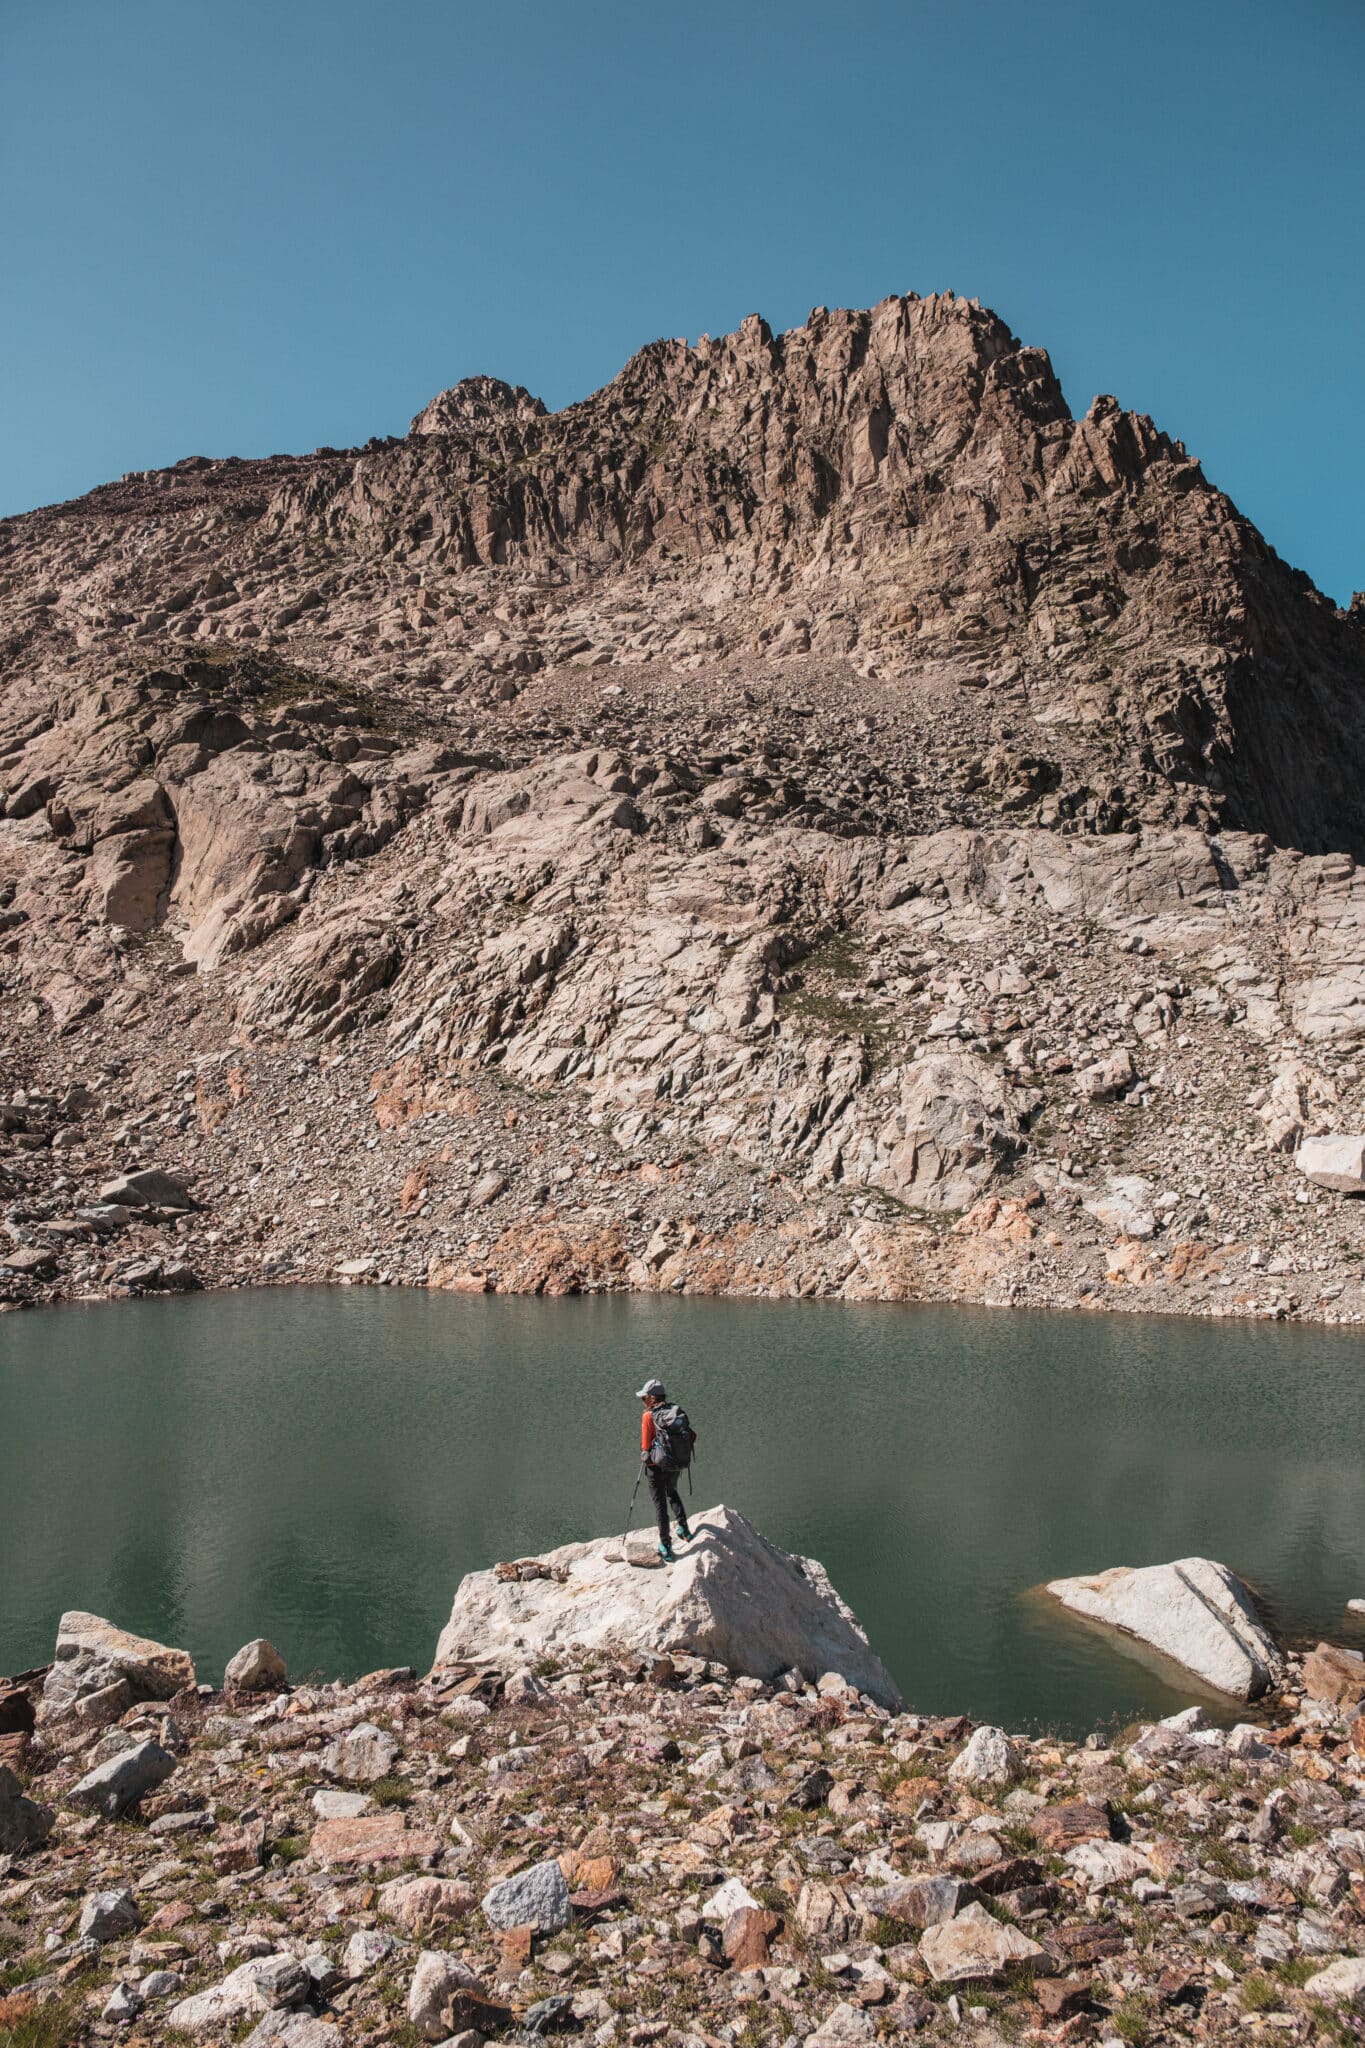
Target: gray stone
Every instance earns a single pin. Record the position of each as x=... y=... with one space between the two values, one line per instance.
x=293 y=2030
x=366 y=1950
x=257 y=1667
x=282 y=1981
x=975 y=1947
x=23 y=1823
x=123 y=2003
x=920 y=1901
x=846 y=2027
x=538 y=1898
x=990 y=1758
x=362 y=1755
x=436 y=1979
x=1342 y=1982
x=107 y=1915
x=237 y=1996
x=161 y=1984
x=151 y=1187
x=113 y=1788
x=331 y=1805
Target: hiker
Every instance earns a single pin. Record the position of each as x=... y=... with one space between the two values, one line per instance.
x=666 y=1441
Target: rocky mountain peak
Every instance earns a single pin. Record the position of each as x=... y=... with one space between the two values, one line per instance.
x=477 y=402
x=815 y=762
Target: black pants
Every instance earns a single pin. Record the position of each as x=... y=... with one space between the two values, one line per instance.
x=663 y=1484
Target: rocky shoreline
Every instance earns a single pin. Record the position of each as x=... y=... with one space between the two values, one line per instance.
x=631 y=1847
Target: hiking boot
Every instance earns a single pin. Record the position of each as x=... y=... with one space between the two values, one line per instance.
x=666 y=1553
x=684 y=1533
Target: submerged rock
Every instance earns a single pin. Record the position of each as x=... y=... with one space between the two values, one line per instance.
x=1194 y=1611
x=732 y=1597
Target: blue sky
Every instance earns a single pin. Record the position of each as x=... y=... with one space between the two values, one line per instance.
x=249 y=227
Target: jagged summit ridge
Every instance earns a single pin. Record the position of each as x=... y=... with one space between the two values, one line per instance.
x=476 y=402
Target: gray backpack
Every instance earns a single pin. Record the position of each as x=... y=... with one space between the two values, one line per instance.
x=673 y=1438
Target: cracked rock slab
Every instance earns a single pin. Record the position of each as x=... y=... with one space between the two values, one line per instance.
x=1194 y=1611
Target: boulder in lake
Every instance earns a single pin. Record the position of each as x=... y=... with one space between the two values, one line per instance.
x=92 y=1654
x=1194 y=1611
x=732 y=1597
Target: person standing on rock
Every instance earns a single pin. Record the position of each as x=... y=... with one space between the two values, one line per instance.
x=666 y=1441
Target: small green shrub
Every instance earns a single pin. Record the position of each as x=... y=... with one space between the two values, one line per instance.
x=391 y=1792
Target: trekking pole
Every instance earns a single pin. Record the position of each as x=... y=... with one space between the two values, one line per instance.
x=631 y=1515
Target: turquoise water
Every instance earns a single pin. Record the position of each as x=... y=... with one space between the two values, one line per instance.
x=320 y=1466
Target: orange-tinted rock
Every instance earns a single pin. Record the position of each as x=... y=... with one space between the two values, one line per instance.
x=1334 y=1675
x=370 y=1839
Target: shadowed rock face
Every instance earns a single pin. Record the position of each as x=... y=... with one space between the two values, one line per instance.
x=802 y=757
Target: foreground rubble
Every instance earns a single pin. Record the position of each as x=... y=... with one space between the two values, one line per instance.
x=641 y=1849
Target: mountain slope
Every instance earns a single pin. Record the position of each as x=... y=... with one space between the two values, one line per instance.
x=788 y=768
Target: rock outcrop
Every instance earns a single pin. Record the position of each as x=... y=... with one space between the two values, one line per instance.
x=1194 y=1611
x=93 y=1654
x=732 y=1597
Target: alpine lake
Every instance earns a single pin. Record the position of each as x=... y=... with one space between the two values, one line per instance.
x=321 y=1466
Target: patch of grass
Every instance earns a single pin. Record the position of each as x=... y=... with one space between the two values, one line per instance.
x=1133 y=2018
x=1260 y=1994
x=1297 y=1969
x=1225 y=1858
x=289 y=1848
x=391 y=1792
x=1331 y=2023
x=15 y=1974
x=26 y=2024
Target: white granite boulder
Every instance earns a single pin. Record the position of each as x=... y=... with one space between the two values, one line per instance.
x=732 y=1597
x=93 y=1654
x=1335 y=1163
x=974 y=1947
x=1194 y=1611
